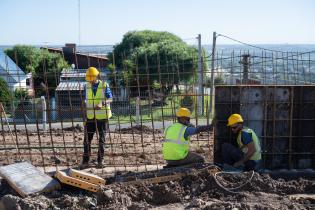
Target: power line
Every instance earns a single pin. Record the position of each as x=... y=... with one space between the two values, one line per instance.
x=254 y=46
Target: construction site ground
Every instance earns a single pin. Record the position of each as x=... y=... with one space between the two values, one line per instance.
x=140 y=150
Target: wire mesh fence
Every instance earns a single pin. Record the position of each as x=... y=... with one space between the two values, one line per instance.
x=46 y=125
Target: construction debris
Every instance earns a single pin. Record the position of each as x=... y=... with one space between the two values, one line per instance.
x=26 y=179
x=80 y=179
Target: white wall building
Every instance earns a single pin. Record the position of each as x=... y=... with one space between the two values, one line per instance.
x=14 y=76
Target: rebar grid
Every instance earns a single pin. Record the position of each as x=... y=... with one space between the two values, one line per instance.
x=61 y=144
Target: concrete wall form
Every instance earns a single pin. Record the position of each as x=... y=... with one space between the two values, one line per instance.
x=282 y=116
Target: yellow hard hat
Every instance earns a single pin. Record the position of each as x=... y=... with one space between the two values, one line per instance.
x=235 y=118
x=91 y=74
x=183 y=112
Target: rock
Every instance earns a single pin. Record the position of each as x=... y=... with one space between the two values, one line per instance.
x=109 y=194
x=194 y=187
x=104 y=196
x=197 y=203
x=68 y=201
x=10 y=202
x=87 y=202
x=126 y=200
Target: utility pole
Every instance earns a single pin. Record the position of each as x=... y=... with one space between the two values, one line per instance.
x=200 y=78
x=79 y=21
x=212 y=73
x=245 y=62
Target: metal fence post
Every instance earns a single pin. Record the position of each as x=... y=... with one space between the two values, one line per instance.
x=212 y=74
x=44 y=108
x=200 y=105
x=138 y=111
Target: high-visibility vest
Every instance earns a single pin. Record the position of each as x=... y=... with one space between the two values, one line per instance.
x=175 y=146
x=257 y=154
x=93 y=100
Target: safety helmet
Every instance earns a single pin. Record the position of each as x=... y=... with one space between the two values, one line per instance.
x=91 y=74
x=235 y=118
x=183 y=112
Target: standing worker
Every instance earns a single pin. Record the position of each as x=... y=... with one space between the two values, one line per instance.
x=98 y=97
x=248 y=153
x=176 y=141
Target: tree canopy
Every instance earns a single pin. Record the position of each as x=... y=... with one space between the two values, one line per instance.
x=5 y=94
x=156 y=53
x=44 y=66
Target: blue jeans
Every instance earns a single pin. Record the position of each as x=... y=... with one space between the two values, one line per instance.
x=232 y=154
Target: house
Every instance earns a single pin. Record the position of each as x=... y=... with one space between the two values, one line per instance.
x=14 y=76
x=80 y=60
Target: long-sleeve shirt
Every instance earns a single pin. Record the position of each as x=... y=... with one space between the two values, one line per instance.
x=191 y=130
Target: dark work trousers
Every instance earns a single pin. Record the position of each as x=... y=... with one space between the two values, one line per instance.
x=91 y=127
x=232 y=154
x=192 y=157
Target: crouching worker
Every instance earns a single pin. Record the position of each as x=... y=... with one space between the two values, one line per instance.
x=176 y=140
x=248 y=154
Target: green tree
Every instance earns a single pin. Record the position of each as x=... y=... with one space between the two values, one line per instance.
x=5 y=93
x=155 y=52
x=26 y=57
x=218 y=80
x=21 y=94
x=44 y=66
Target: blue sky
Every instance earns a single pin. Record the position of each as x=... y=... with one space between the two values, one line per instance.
x=105 y=22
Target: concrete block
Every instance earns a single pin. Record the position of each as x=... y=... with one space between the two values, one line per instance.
x=26 y=179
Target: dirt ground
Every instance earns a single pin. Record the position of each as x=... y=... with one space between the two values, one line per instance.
x=194 y=191
x=126 y=147
x=139 y=146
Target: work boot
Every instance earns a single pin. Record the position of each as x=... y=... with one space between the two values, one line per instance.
x=84 y=165
x=100 y=164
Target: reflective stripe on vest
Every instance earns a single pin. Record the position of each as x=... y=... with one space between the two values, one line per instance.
x=257 y=154
x=93 y=100
x=175 y=146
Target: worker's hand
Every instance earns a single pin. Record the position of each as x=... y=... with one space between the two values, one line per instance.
x=98 y=107
x=238 y=163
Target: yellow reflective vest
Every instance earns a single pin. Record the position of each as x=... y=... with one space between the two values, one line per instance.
x=93 y=100
x=175 y=146
x=257 y=154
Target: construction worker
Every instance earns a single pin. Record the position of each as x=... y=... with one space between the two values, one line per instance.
x=176 y=140
x=98 y=97
x=248 y=153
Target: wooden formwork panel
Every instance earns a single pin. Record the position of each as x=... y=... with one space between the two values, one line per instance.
x=282 y=116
